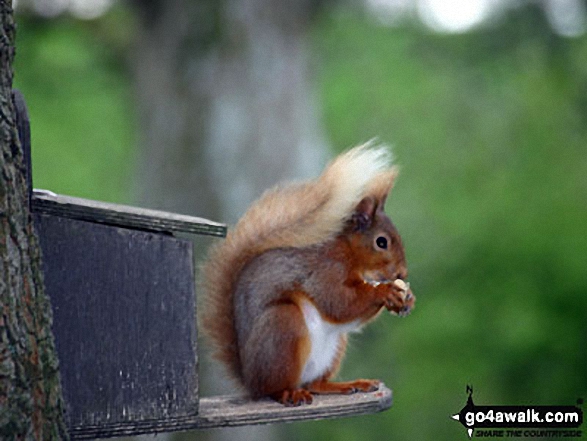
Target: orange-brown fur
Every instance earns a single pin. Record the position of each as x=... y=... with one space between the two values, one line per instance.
x=310 y=245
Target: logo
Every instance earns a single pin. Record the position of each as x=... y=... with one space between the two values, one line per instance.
x=520 y=421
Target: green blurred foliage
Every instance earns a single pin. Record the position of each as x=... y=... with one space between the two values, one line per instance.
x=80 y=105
x=490 y=131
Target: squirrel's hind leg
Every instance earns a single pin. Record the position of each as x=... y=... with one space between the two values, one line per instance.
x=275 y=353
x=325 y=386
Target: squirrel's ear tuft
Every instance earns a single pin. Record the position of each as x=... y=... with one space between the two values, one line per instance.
x=381 y=186
x=363 y=215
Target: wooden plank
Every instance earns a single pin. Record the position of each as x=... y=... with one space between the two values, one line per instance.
x=123 y=215
x=234 y=411
x=230 y=411
x=124 y=320
x=24 y=135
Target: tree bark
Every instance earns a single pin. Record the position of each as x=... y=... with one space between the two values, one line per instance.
x=31 y=405
x=226 y=110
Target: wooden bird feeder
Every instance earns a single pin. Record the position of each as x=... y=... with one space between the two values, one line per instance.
x=122 y=289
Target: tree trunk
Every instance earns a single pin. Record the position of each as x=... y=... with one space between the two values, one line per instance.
x=225 y=101
x=227 y=109
x=31 y=406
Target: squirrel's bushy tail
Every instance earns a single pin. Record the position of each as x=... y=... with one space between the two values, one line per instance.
x=294 y=215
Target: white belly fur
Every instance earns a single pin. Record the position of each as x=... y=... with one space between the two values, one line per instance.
x=324 y=340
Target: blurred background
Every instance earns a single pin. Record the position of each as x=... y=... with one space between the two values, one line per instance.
x=198 y=106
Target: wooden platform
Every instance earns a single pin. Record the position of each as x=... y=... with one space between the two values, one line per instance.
x=231 y=411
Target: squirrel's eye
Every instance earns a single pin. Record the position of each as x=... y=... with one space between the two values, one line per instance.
x=381 y=242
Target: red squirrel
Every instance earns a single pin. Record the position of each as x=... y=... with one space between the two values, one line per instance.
x=306 y=264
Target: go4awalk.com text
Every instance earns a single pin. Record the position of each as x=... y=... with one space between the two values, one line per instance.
x=520 y=421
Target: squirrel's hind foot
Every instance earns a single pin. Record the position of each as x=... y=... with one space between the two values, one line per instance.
x=293 y=397
x=345 y=388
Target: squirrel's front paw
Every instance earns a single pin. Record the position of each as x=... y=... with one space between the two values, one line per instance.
x=400 y=299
